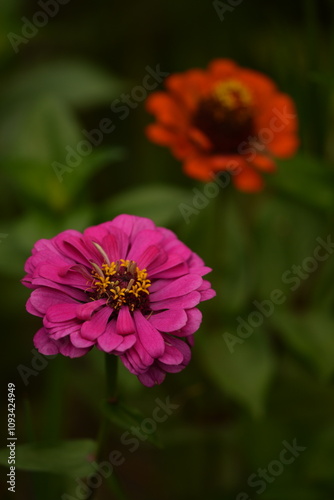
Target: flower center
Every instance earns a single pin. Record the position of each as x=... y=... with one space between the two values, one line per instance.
x=232 y=94
x=121 y=283
x=226 y=116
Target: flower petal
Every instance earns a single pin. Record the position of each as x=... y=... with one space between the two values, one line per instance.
x=125 y=323
x=44 y=344
x=176 y=288
x=169 y=321
x=93 y=328
x=149 y=336
x=109 y=340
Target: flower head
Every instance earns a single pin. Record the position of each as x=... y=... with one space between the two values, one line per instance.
x=224 y=118
x=125 y=286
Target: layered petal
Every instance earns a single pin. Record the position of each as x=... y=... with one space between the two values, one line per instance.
x=224 y=116
x=126 y=286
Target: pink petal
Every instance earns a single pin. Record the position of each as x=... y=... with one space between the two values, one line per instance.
x=125 y=324
x=153 y=376
x=61 y=312
x=57 y=331
x=79 y=250
x=58 y=275
x=76 y=294
x=208 y=294
x=44 y=344
x=185 y=302
x=144 y=358
x=131 y=224
x=152 y=256
x=79 y=341
x=43 y=298
x=32 y=310
x=85 y=311
x=171 y=273
x=193 y=323
x=173 y=260
x=182 y=346
x=109 y=340
x=127 y=342
x=131 y=360
x=68 y=349
x=93 y=328
x=150 y=338
x=143 y=239
x=171 y=356
x=176 y=288
x=97 y=233
x=169 y=321
x=115 y=244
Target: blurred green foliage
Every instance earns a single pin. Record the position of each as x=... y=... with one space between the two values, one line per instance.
x=240 y=398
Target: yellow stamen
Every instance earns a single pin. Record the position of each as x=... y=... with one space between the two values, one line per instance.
x=128 y=287
x=233 y=94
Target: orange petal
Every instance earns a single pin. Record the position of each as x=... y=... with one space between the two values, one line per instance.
x=199 y=139
x=189 y=87
x=277 y=126
x=248 y=180
x=160 y=135
x=166 y=110
x=198 y=168
x=222 y=68
x=264 y=163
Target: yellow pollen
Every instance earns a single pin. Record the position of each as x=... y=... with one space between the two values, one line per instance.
x=232 y=94
x=121 y=282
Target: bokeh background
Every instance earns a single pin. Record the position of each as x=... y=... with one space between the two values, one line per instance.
x=235 y=408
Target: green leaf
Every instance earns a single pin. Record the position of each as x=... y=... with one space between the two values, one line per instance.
x=34 y=150
x=235 y=256
x=77 y=179
x=39 y=130
x=320 y=465
x=311 y=335
x=16 y=247
x=285 y=234
x=158 y=202
x=125 y=417
x=73 y=82
x=71 y=458
x=307 y=180
x=244 y=370
x=31 y=140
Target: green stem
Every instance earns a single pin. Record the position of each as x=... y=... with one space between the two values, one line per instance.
x=111 y=377
x=103 y=436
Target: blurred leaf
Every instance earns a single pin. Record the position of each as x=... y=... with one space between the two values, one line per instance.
x=37 y=136
x=126 y=417
x=244 y=373
x=21 y=236
x=71 y=458
x=307 y=180
x=311 y=335
x=323 y=78
x=320 y=465
x=158 y=202
x=41 y=153
x=291 y=491
x=76 y=83
x=39 y=130
x=234 y=252
x=285 y=234
x=9 y=22
x=77 y=180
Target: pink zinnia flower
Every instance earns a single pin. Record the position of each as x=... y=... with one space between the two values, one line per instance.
x=126 y=286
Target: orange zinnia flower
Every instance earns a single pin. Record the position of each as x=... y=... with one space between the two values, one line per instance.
x=224 y=118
